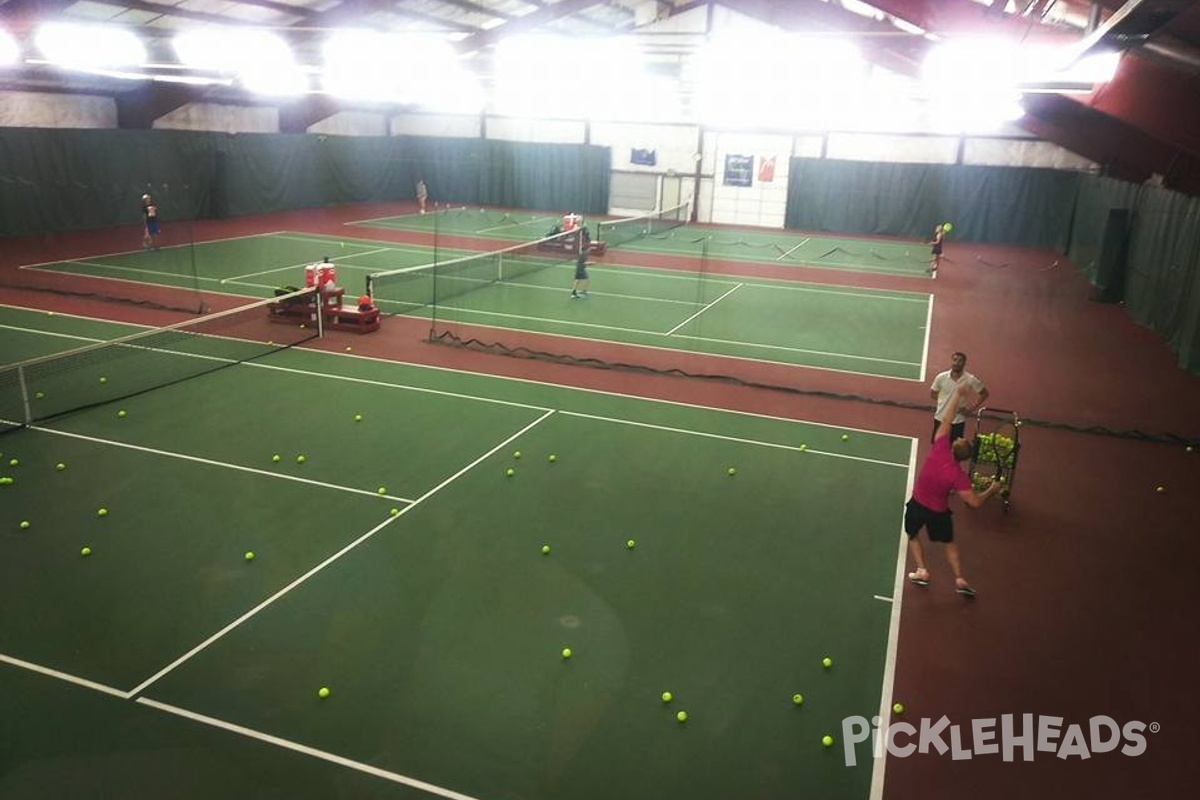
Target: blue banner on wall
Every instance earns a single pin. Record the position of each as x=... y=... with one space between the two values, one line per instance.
x=739 y=170
x=645 y=157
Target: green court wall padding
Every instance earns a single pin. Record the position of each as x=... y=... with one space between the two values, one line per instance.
x=54 y=180
x=1009 y=205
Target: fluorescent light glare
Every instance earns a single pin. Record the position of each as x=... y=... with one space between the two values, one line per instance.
x=89 y=46
x=10 y=51
x=261 y=60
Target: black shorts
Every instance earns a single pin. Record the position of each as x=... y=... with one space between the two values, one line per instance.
x=957 y=430
x=939 y=524
x=581 y=272
x=937 y=250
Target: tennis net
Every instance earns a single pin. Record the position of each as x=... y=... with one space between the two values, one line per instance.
x=50 y=386
x=409 y=290
x=617 y=232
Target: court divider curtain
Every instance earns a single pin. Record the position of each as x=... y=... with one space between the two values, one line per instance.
x=59 y=180
x=1011 y=205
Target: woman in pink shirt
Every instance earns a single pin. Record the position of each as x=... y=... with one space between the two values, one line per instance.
x=941 y=475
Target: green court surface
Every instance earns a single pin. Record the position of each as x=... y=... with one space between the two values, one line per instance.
x=866 y=331
x=787 y=248
x=251 y=265
x=402 y=567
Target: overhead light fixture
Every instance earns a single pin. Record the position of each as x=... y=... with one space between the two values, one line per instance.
x=261 y=60
x=89 y=47
x=10 y=51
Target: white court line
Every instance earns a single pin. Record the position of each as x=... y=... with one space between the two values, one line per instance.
x=738 y=439
x=304 y=372
x=306 y=263
x=212 y=463
x=803 y=242
x=167 y=248
x=925 y=346
x=63 y=676
x=137 y=270
x=533 y=221
x=879 y=765
x=298 y=581
x=706 y=307
x=306 y=750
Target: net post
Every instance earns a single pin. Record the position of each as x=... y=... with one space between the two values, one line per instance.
x=26 y=408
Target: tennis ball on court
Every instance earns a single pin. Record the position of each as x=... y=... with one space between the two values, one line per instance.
x=552 y=458
x=85 y=552
x=803 y=447
x=323 y=692
x=14 y=462
x=348 y=348
x=382 y=490
x=517 y=454
x=798 y=699
x=301 y=459
x=667 y=697
x=103 y=379
x=1189 y=448
x=60 y=466
x=122 y=413
x=249 y=555
x=826 y=662
x=358 y=417
x=845 y=437
x=827 y=740
x=545 y=549
x=276 y=458
x=631 y=544
x=24 y=524
x=103 y=512
x=1160 y=489
x=395 y=512
x=732 y=471
x=566 y=653
x=510 y=472
x=897 y=708
x=40 y=395
x=682 y=716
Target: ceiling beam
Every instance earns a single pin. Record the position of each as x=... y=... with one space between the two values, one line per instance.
x=531 y=21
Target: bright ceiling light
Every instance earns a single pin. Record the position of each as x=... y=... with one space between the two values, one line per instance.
x=416 y=69
x=10 y=51
x=89 y=46
x=261 y=60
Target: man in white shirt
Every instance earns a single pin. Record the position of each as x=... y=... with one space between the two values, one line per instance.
x=943 y=388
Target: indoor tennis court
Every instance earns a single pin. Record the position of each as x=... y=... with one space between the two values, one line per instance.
x=417 y=589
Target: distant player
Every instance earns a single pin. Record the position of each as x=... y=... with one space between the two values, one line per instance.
x=939 y=236
x=580 y=287
x=150 y=229
x=422 y=194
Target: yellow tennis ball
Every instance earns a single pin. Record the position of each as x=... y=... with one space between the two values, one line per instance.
x=798 y=699
x=566 y=653
x=897 y=708
x=826 y=662
x=103 y=512
x=250 y=555
x=85 y=552
x=510 y=472
x=827 y=740
x=682 y=716
x=323 y=692
x=382 y=490
x=667 y=697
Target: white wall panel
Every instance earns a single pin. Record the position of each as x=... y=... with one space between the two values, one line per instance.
x=453 y=126
x=352 y=123
x=45 y=110
x=902 y=149
x=547 y=131
x=226 y=119
x=1022 y=153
